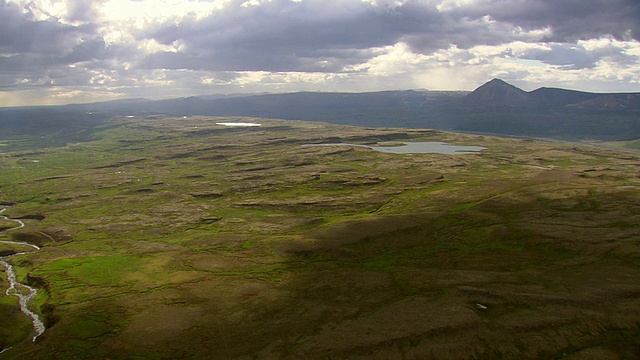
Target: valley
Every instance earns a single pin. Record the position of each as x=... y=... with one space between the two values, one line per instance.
x=183 y=237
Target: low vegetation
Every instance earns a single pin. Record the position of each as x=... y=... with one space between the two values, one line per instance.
x=170 y=238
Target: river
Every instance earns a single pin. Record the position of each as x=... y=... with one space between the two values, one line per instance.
x=24 y=292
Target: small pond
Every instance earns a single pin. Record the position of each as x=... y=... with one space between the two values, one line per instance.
x=421 y=147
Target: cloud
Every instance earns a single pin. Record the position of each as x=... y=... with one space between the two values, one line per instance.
x=21 y=33
x=570 y=20
x=175 y=47
x=281 y=35
x=31 y=48
x=275 y=36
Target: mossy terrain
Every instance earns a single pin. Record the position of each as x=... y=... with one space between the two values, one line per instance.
x=171 y=238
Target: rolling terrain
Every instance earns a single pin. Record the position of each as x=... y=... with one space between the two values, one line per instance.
x=169 y=237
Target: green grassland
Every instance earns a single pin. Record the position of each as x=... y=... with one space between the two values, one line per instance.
x=169 y=238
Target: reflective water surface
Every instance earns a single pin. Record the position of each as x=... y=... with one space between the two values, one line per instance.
x=420 y=147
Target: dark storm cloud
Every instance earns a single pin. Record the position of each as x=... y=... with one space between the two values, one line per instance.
x=286 y=36
x=494 y=22
x=569 y=57
x=278 y=36
x=31 y=48
x=313 y=36
x=310 y=36
x=19 y=33
x=427 y=30
x=570 y=20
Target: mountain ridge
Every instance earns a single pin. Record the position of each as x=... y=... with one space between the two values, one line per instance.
x=498 y=92
x=494 y=93
x=494 y=107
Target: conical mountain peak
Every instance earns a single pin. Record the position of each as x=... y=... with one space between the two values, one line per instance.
x=498 y=92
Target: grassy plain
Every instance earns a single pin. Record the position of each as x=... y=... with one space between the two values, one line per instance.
x=174 y=238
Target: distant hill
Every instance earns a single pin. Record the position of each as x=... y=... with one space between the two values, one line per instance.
x=611 y=101
x=498 y=93
x=552 y=97
x=302 y=105
x=495 y=107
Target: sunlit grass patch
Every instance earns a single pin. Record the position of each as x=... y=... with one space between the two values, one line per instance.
x=93 y=271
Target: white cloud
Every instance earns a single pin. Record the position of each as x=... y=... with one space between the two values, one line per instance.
x=151 y=46
x=449 y=5
x=385 y=4
x=249 y=3
x=149 y=12
x=391 y=61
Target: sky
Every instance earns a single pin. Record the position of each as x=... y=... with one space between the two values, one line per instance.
x=75 y=51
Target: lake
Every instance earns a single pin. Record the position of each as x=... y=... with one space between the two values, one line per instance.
x=238 y=124
x=419 y=147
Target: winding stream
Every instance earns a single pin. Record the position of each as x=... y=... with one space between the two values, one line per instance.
x=24 y=292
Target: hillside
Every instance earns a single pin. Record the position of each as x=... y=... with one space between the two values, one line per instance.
x=173 y=238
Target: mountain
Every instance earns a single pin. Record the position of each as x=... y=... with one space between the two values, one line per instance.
x=498 y=93
x=501 y=108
